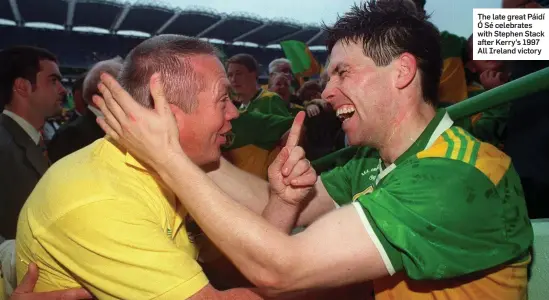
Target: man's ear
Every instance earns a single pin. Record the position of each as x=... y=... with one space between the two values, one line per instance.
x=405 y=70
x=22 y=87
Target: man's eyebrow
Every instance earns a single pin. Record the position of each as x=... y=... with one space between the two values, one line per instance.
x=338 y=67
x=56 y=76
x=224 y=88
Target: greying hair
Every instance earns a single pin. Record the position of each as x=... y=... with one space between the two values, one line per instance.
x=275 y=63
x=387 y=29
x=169 y=55
x=92 y=79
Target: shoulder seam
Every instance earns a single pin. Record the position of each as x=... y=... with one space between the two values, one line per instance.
x=65 y=213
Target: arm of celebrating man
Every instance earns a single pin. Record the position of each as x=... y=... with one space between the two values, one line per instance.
x=253 y=192
x=246 y=188
x=338 y=244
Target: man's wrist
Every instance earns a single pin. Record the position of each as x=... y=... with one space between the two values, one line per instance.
x=280 y=213
x=166 y=166
x=279 y=202
x=280 y=207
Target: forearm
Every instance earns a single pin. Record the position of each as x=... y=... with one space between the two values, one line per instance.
x=247 y=189
x=261 y=252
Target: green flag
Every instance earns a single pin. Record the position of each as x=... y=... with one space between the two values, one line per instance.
x=303 y=62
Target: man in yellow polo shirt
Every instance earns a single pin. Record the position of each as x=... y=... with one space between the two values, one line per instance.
x=101 y=220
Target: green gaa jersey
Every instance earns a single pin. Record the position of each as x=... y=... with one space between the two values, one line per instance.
x=267 y=102
x=449 y=207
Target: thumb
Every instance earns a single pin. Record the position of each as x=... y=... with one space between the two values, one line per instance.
x=29 y=281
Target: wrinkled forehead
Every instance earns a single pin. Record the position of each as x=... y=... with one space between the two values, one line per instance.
x=210 y=68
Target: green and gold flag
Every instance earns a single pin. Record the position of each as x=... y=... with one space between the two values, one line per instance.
x=304 y=63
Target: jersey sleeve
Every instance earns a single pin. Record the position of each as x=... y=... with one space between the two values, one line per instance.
x=338 y=183
x=438 y=218
x=126 y=255
x=269 y=129
x=490 y=126
x=262 y=130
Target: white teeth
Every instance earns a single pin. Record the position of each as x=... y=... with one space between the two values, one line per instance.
x=345 y=110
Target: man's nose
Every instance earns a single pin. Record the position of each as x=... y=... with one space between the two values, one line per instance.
x=62 y=89
x=328 y=93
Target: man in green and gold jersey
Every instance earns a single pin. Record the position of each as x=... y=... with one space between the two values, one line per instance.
x=424 y=210
x=243 y=71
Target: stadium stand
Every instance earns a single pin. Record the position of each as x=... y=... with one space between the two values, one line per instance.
x=77 y=50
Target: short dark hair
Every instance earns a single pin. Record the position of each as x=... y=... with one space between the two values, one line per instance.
x=20 y=62
x=169 y=55
x=387 y=29
x=246 y=60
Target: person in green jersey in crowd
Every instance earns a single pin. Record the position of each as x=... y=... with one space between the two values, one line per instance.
x=424 y=210
x=243 y=71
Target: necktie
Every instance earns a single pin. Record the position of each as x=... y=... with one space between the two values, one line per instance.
x=42 y=145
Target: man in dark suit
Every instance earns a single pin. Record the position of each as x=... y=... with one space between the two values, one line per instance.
x=30 y=91
x=83 y=131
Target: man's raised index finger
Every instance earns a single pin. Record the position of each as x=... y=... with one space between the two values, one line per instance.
x=295 y=131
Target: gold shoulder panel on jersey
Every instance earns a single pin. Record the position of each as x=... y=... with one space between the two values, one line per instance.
x=457 y=144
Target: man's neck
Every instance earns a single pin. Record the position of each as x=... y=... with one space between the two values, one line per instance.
x=248 y=96
x=408 y=127
x=26 y=114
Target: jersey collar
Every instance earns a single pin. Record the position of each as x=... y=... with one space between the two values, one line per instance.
x=255 y=97
x=438 y=125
